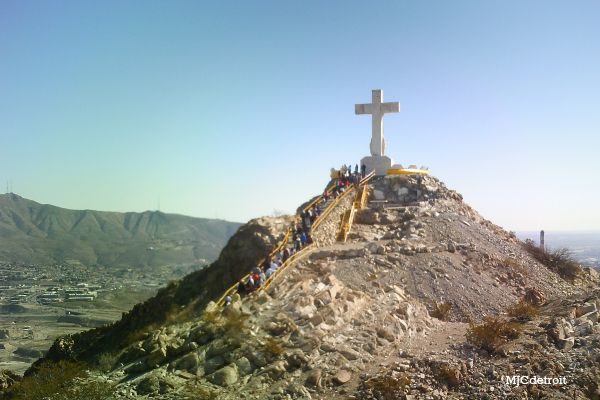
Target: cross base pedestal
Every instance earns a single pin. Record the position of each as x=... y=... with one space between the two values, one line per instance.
x=380 y=163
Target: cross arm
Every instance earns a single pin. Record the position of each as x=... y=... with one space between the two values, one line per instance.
x=363 y=109
x=393 y=107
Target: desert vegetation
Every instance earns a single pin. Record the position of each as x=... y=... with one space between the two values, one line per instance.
x=58 y=381
x=492 y=332
x=559 y=261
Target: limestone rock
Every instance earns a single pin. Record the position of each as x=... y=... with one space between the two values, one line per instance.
x=535 y=296
x=217 y=347
x=588 y=308
x=233 y=310
x=342 y=377
x=214 y=364
x=349 y=354
x=276 y=370
x=244 y=366
x=226 y=376
x=298 y=391
x=157 y=357
x=591 y=316
x=301 y=305
x=556 y=331
x=262 y=297
x=257 y=358
x=386 y=334
x=566 y=344
x=584 y=329
x=295 y=357
x=187 y=362
x=314 y=377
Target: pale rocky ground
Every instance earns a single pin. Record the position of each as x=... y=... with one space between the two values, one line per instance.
x=360 y=311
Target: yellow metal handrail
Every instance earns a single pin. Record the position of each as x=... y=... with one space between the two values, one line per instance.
x=367 y=178
x=284 y=242
x=295 y=257
x=318 y=221
x=332 y=206
x=359 y=202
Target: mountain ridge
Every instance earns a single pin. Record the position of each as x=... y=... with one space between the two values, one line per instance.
x=42 y=233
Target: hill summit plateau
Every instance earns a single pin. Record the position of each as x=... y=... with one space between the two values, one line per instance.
x=420 y=302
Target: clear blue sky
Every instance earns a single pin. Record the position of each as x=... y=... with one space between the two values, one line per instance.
x=235 y=109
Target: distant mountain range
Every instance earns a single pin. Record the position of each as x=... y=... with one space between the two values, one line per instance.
x=44 y=234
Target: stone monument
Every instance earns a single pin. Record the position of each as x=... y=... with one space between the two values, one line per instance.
x=378 y=160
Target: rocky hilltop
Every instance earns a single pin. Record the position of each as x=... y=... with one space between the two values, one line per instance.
x=44 y=234
x=421 y=302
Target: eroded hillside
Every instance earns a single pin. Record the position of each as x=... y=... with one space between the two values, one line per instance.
x=355 y=320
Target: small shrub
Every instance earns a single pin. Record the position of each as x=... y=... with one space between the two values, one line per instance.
x=138 y=335
x=234 y=326
x=523 y=310
x=87 y=390
x=448 y=374
x=273 y=346
x=180 y=314
x=516 y=267
x=441 y=311
x=385 y=386
x=492 y=333
x=107 y=361
x=214 y=317
x=444 y=372
x=559 y=261
x=191 y=392
x=60 y=381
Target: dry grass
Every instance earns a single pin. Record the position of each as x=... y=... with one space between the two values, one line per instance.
x=385 y=386
x=441 y=311
x=559 y=261
x=492 y=333
x=273 y=347
x=523 y=310
x=59 y=381
x=515 y=267
x=444 y=372
x=191 y=392
x=107 y=361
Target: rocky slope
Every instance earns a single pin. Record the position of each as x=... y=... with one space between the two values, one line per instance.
x=247 y=246
x=353 y=320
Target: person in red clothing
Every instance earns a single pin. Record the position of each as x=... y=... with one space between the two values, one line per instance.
x=257 y=281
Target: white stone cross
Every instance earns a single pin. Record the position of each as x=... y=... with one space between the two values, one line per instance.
x=377 y=109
